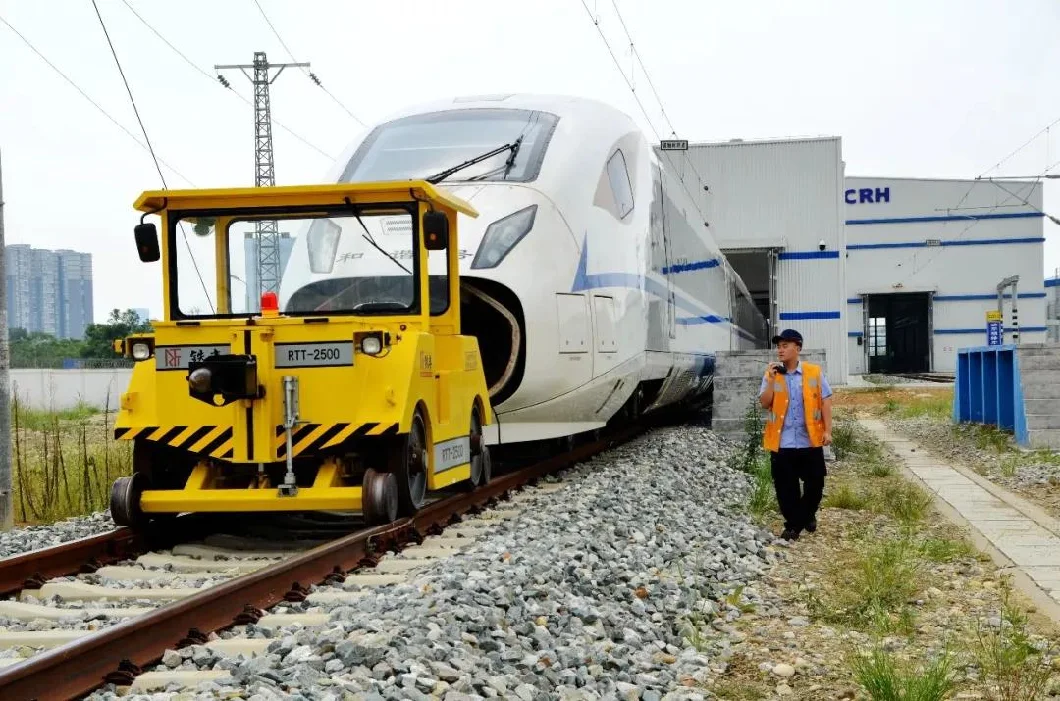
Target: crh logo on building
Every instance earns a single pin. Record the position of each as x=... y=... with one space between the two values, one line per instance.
x=867 y=195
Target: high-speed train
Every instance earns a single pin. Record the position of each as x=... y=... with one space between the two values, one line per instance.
x=589 y=278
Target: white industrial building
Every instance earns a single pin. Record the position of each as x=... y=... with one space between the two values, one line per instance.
x=884 y=274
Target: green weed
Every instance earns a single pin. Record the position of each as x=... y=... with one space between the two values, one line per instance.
x=845 y=497
x=1016 y=669
x=844 y=438
x=884 y=679
x=64 y=462
x=763 y=498
x=946 y=549
x=905 y=502
x=871 y=589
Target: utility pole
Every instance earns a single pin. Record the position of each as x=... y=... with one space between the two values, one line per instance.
x=266 y=232
x=7 y=512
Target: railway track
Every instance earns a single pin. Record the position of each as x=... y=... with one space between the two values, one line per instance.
x=113 y=640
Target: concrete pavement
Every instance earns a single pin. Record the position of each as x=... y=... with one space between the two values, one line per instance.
x=1019 y=536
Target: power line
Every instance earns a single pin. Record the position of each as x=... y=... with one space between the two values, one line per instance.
x=640 y=104
x=312 y=76
x=224 y=84
x=90 y=100
x=150 y=148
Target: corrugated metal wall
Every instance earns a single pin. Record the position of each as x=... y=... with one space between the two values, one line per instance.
x=955 y=238
x=786 y=195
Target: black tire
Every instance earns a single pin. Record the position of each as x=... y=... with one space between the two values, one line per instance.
x=481 y=471
x=408 y=464
x=379 y=497
x=125 y=501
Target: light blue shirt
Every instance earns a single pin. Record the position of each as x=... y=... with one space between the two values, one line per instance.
x=793 y=434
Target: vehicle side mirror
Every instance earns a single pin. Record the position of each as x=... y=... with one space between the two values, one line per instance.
x=147 y=242
x=435 y=231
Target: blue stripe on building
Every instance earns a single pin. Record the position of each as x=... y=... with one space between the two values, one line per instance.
x=807 y=316
x=943 y=242
x=953 y=217
x=969 y=298
x=807 y=255
x=1053 y=282
x=1022 y=329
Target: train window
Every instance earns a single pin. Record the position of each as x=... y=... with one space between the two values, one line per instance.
x=425 y=144
x=620 y=184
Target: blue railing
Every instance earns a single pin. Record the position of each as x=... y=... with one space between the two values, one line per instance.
x=988 y=390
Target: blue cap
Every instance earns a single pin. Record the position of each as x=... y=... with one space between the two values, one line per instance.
x=788 y=335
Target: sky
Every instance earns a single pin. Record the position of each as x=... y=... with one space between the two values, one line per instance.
x=947 y=88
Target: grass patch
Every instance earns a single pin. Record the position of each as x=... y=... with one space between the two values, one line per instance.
x=63 y=462
x=844 y=438
x=939 y=549
x=870 y=588
x=763 y=500
x=885 y=679
x=1015 y=669
x=904 y=502
x=845 y=496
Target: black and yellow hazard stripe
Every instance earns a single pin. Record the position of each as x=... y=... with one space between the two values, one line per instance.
x=215 y=441
x=307 y=438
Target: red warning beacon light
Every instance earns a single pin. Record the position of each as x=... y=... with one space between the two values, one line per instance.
x=269 y=305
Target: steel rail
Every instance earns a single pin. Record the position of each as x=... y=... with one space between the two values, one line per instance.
x=117 y=654
x=29 y=570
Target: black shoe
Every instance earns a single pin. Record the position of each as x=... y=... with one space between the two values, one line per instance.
x=789 y=534
x=811 y=527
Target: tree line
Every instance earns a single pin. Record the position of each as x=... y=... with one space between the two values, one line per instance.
x=37 y=349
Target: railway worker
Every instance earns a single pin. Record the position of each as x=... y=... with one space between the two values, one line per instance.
x=798 y=426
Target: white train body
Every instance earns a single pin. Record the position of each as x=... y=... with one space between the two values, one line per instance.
x=610 y=285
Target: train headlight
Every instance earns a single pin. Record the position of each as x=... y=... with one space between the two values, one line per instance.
x=141 y=351
x=371 y=345
x=502 y=235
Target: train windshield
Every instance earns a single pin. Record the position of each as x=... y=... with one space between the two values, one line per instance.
x=425 y=144
x=339 y=262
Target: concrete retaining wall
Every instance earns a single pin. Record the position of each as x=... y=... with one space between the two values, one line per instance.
x=737 y=377
x=65 y=389
x=1039 y=374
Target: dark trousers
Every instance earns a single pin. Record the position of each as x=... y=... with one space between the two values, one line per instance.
x=789 y=466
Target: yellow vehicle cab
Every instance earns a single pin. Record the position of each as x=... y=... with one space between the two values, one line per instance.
x=344 y=386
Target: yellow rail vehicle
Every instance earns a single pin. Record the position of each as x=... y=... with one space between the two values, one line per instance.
x=348 y=387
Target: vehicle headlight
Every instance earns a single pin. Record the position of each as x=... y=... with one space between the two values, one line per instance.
x=141 y=351
x=371 y=345
x=502 y=235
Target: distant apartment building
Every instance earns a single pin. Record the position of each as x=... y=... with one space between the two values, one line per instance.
x=49 y=291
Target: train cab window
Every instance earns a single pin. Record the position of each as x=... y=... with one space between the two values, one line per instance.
x=425 y=144
x=620 y=184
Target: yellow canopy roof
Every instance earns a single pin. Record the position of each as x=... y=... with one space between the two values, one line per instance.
x=332 y=193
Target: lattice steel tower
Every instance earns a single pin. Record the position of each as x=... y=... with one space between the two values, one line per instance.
x=267 y=233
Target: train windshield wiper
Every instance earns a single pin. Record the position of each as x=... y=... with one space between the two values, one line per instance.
x=513 y=147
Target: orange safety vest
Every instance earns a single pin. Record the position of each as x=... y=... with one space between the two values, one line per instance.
x=812 y=407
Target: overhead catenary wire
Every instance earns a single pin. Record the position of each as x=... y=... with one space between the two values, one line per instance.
x=640 y=104
x=213 y=80
x=95 y=104
x=647 y=76
x=128 y=89
x=312 y=76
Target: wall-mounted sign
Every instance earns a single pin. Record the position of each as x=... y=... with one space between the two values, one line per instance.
x=994 y=334
x=867 y=195
x=674 y=145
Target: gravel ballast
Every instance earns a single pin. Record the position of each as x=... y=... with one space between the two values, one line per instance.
x=615 y=586
x=21 y=540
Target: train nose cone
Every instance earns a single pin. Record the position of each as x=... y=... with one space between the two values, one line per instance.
x=199 y=380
